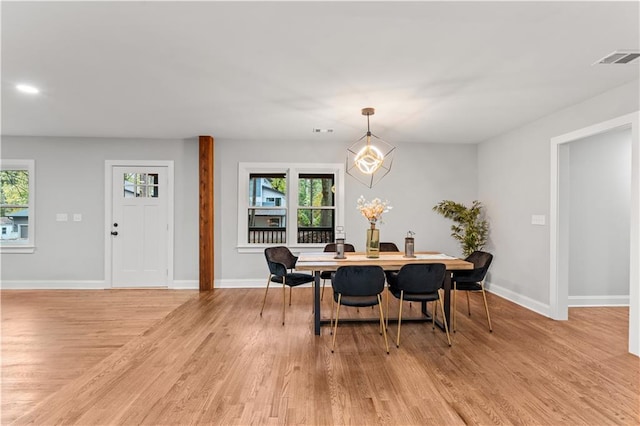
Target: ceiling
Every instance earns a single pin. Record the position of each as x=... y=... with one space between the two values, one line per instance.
x=436 y=72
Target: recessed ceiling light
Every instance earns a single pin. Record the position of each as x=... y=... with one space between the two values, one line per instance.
x=25 y=88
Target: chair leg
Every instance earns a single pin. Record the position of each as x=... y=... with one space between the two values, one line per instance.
x=399 y=319
x=444 y=318
x=322 y=293
x=265 y=294
x=290 y=291
x=486 y=308
x=387 y=316
x=384 y=329
x=468 y=304
x=335 y=326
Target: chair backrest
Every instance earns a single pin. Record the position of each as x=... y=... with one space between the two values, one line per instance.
x=331 y=247
x=388 y=247
x=279 y=257
x=420 y=278
x=481 y=261
x=358 y=280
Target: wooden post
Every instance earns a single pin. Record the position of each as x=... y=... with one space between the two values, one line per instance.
x=206 y=213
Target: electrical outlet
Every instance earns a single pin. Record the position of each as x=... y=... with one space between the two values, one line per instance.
x=62 y=217
x=77 y=217
x=538 y=219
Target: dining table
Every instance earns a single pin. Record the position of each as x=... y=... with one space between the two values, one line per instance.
x=389 y=261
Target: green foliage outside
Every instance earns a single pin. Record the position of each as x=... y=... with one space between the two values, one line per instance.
x=14 y=191
x=469 y=228
x=315 y=192
x=279 y=184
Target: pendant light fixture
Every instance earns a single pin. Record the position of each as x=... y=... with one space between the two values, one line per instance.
x=370 y=158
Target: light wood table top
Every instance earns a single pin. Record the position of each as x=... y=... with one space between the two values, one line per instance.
x=325 y=261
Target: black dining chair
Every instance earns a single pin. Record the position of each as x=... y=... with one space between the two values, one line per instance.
x=281 y=264
x=419 y=282
x=472 y=281
x=331 y=248
x=388 y=247
x=358 y=286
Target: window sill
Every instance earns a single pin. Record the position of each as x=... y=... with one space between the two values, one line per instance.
x=17 y=249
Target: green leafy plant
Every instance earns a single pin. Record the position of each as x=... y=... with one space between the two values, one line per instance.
x=470 y=229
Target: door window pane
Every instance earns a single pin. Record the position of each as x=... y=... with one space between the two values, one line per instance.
x=140 y=185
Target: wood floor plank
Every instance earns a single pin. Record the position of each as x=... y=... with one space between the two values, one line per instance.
x=114 y=357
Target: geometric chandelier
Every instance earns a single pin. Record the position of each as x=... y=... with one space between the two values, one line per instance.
x=369 y=161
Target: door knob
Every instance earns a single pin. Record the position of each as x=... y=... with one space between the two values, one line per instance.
x=114 y=233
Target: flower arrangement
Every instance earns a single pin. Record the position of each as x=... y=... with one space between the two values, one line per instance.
x=374 y=209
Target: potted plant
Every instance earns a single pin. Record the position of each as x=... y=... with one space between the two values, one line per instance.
x=470 y=229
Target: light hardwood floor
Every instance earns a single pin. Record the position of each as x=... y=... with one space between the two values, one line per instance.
x=183 y=357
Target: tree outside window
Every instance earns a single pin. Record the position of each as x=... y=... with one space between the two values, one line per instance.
x=16 y=203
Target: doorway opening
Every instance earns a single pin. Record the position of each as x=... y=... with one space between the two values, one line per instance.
x=560 y=217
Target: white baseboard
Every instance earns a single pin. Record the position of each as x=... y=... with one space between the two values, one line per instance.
x=224 y=283
x=53 y=285
x=592 y=301
x=185 y=285
x=100 y=284
x=240 y=283
x=80 y=285
x=248 y=283
x=519 y=299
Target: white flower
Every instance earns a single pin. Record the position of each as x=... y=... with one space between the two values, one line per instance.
x=373 y=210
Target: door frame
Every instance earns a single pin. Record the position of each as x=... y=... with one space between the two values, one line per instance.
x=108 y=203
x=558 y=236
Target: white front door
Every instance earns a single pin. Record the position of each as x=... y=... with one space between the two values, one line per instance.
x=139 y=226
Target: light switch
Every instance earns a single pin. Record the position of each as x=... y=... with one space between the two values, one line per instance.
x=538 y=219
x=77 y=217
x=62 y=217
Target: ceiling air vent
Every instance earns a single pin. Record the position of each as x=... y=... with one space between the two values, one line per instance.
x=620 y=57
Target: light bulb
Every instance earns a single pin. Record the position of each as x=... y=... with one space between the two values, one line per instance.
x=369 y=159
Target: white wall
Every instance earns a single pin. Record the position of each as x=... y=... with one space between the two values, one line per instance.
x=70 y=179
x=421 y=176
x=599 y=195
x=514 y=182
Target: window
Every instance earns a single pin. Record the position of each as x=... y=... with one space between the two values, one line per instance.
x=316 y=208
x=271 y=212
x=266 y=218
x=17 y=196
x=143 y=185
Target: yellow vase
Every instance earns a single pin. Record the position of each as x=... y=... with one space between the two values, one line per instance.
x=373 y=242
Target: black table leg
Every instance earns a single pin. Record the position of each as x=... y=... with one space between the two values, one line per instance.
x=447 y=297
x=446 y=302
x=316 y=303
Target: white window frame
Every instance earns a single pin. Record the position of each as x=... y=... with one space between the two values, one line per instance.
x=28 y=246
x=292 y=170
